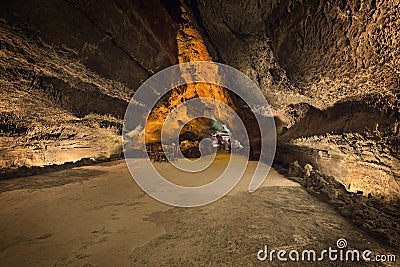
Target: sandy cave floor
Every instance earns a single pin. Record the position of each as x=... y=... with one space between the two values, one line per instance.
x=98 y=216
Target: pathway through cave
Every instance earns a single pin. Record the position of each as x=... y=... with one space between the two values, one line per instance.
x=98 y=216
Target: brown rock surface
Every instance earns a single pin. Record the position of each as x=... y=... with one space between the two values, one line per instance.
x=47 y=112
x=68 y=70
x=330 y=70
x=191 y=48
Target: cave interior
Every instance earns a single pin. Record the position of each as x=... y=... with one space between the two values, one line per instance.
x=328 y=69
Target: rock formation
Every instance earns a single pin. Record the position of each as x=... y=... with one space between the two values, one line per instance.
x=330 y=71
x=190 y=48
x=68 y=70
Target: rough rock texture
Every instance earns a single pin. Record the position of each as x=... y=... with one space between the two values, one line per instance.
x=67 y=72
x=357 y=144
x=376 y=216
x=121 y=40
x=323 y=50
x=49 y=103
x=190 y=48
x=330 y=71
x=328 y=68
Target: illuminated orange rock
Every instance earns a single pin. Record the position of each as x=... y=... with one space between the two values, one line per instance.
x=191 y=48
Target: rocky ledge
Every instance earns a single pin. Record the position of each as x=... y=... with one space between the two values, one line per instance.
x=378 y=217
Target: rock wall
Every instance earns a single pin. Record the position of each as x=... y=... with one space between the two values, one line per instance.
x=330 y=71
x=328 y=68
x=191 y=48
x=125 y=41
x=70 y=68
x=316 y=51
x=379 y=218
x=67 y=72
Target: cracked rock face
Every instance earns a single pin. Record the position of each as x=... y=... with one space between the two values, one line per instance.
x=318 y=52
x=69 y=69
x=330 y=71
x=190 y=48
x=67 y=72
x=49 y=103
x=121 y=40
